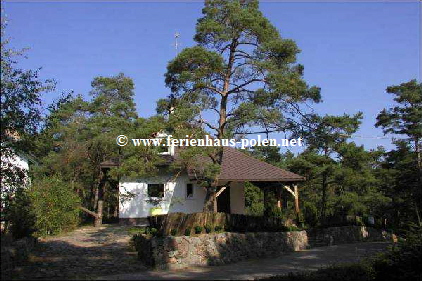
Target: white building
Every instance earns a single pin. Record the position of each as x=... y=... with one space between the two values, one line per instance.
x=170 y=193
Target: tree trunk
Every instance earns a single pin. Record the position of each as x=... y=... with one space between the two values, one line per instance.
x=99 y=216
x=223 y=117
x=417 y=198
x=99 y=197
x=324 y=197
x=210 y=204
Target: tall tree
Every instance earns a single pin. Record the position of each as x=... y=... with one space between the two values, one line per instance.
x=324 y=136
x=82 y=135
x=243 y=71
x=406 y=119
x=20 y=115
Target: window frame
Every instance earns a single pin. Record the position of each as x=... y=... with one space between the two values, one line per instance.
x=186 y=191
x=157 y=184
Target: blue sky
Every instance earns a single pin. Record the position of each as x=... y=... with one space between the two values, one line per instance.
x=353 y=51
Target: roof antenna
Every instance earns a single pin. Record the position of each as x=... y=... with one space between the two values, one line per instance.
x=176 y=42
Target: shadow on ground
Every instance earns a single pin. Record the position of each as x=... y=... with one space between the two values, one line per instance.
x=311 y=259
x=82 y=254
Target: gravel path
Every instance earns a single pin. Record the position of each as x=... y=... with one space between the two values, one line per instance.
x=85 y=253
x=311 y=259
x=104 y=253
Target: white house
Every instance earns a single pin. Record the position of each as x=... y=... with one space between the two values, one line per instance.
x=17 y=163
x=169 y=193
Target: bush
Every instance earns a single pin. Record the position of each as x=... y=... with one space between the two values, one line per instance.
x=198 y=229
x=403 y=262
x=153 y=231
x=208 y=228
x=20 y=215
x=187 y=231
x=55 y=206
x=173 y=232
x=292 y=228
x=136 y=230
x=218 y=228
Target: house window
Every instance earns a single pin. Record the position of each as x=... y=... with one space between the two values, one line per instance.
x=156 y=190
x=189 y=190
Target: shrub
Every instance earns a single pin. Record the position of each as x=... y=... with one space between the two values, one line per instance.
x=55 y=206
x=187 y=231
x=218 y=228
x=198 y=229
x=292 y=228
x=208 y=228
x=20 y=215
x=147 y=230
x=153 y=231
x=403 y=262
x=173 y=232
x=136 y=230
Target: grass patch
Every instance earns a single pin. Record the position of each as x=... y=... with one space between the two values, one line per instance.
x=136 y=230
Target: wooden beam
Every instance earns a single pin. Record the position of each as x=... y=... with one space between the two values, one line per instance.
x=220 y=191
x=290 y=190
x=296 y=190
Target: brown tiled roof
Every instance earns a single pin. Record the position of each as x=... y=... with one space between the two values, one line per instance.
x=237 y=166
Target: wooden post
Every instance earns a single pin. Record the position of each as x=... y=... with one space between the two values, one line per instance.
x=215 y=203
x=264 y=189
x=279 y=199
x=296 y=191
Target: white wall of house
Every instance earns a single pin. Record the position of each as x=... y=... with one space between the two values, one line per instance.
x=174 y=200
x=237 y=198
x=16 y=160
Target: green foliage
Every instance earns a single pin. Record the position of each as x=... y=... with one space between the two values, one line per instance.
x=310 y=213
x=402 y=262
x=20 y=116
x=136 y=230
x=82 y=134
x=208 y=228
x=218 y=228
x=198 y=229
x=405 y=164
x=173 y=232
x=20 y=215
x=153 y=231
x=55 y=206
x=254 y=200
x=188 y=231
x=243 y=71
x=405 y=117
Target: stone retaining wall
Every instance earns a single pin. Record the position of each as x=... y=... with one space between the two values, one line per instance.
x=346 y=234
x=176 y=252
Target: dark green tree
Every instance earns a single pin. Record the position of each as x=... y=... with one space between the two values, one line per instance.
x=323 y=137
x=80 y=135
x=242 y=71
x=405 y=118
x=20 y=116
